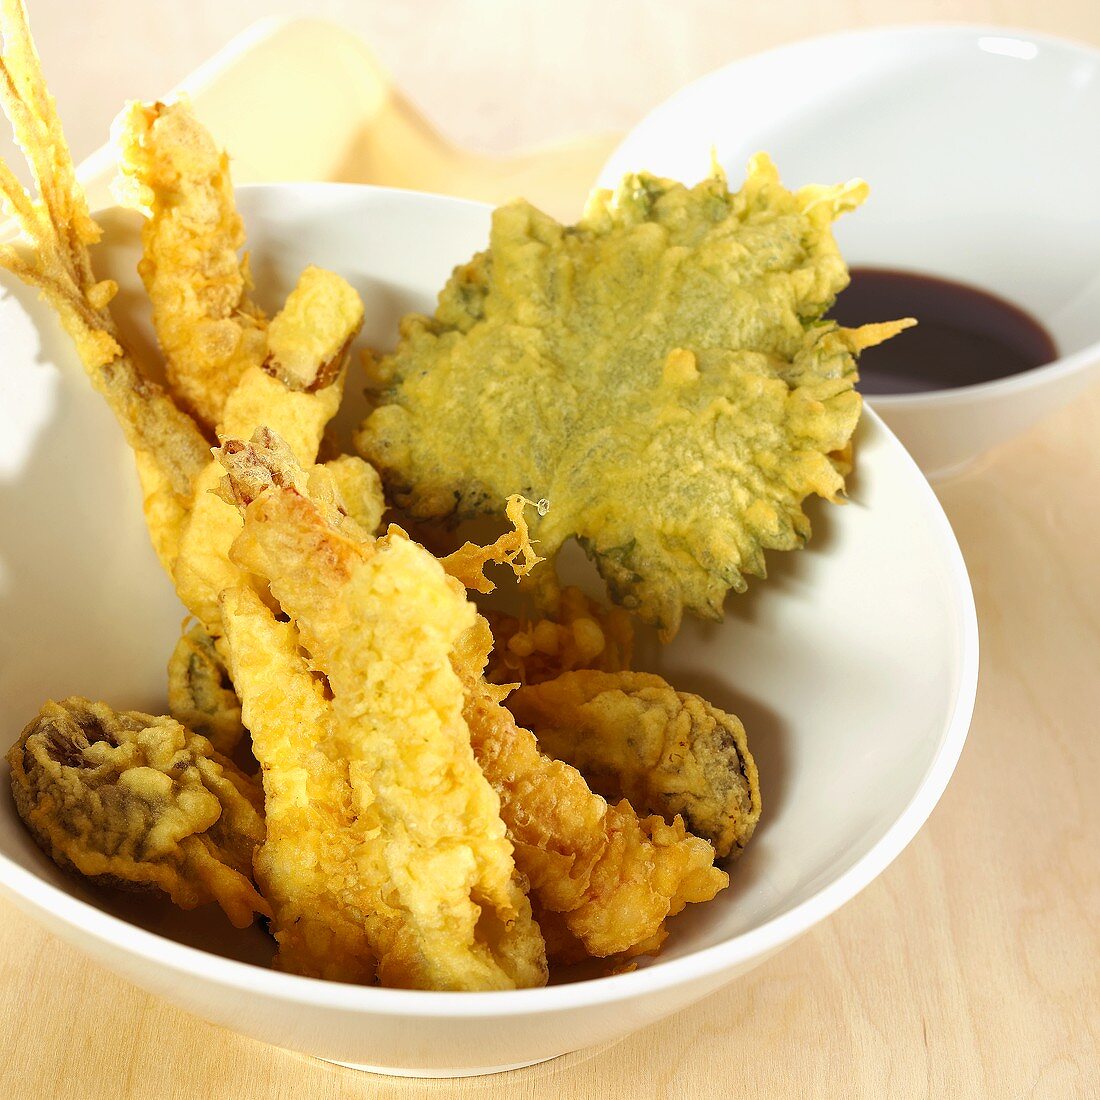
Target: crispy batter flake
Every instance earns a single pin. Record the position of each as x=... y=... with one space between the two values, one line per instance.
x=467 y=564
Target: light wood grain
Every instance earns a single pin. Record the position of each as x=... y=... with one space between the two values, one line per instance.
x=970 y=968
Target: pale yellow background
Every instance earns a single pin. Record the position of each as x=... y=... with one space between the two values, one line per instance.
x=970 y=968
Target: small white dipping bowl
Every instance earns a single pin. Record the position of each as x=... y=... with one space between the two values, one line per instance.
x=853 y=666
x=978 y=143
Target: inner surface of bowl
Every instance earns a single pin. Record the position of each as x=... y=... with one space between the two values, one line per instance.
x=975 y=142
x=852 y=666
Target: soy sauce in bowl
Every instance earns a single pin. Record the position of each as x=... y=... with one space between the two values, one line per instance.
x=964 y=335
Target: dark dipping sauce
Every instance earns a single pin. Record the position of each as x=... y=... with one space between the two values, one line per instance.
x=963 y=336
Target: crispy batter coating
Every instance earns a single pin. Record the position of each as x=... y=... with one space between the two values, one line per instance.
x=432 y=872
x=202 y=569
x=307 y=860
x=133 y=800
x=581 y=634
x=267 y=462
x=359 y=489
x=165 y=511
x=200 y=692
x=633 y=736
x=309 y=338
x=659 y=373
x=58 y=230
x=207 y=326
x=612 y=876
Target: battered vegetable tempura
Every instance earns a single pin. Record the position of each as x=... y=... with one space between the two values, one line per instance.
x=407 y=811
x=308 y=857
x=200 y=693
x=659 y=373
x=581 y=634
x=202 y=569
x=634 y=736
x=429 y=870
x=208 y=327
x=223 y=359
x=169 y=447
x=610 y=877
x=132 y=800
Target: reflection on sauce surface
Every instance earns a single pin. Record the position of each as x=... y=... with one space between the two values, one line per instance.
x=964 y=335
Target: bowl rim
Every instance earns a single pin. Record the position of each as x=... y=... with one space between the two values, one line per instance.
x=34 y=893
x=1064 y=365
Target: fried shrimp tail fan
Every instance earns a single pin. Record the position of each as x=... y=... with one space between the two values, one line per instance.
x=421 y=859
x=632 y=735
x=131 y=800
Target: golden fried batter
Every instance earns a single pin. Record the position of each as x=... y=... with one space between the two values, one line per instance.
x=202 y=569
x=359 y=489
x=208 y=328
x=633 y=736
x=513 y=548
x=132 y=800
x=200 y=692
x=659 y=373
x=308 y=857
x=309 y=338
x=431 y=871
x=613 y=877
x=58 y=229
x=581 y=634
x=391 y=851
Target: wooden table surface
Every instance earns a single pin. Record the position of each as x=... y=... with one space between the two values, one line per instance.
x=971 y=967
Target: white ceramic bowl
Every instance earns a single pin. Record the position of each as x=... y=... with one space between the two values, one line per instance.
x=976 y=143
x=853 y=666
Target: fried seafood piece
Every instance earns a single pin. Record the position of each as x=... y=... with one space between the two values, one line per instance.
x=58 y=229
x=200 y=692
x=633 y=736
x=207 y=325
x=431 y=870
x=611 y=876
x=132 y=800
x=347 y=485
x=581 y=634
x=661 y=374
x=306 y=865
x=325 y=304
x=201 y=568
